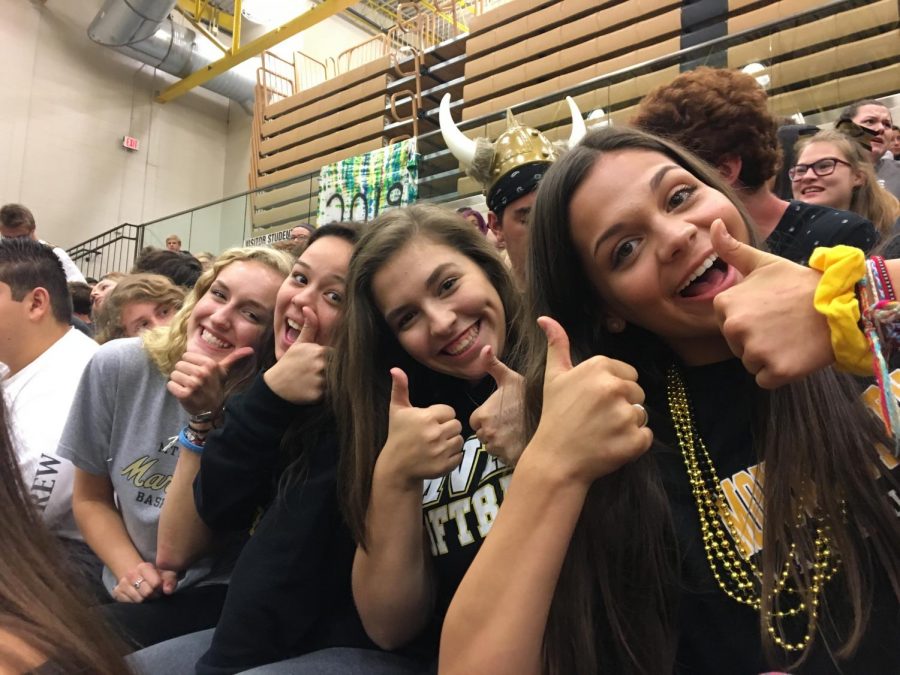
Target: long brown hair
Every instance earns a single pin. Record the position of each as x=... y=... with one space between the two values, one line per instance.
x=831 y=445
x=359 y=383
x=39 y=603
x=869 y=200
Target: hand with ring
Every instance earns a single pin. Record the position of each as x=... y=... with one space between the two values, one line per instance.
x=643 y=415
x=592 y=421
x=143 y=582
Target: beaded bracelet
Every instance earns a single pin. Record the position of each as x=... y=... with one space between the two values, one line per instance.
x=191 y=440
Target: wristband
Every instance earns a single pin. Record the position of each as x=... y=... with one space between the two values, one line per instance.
x=191 y=440
x=207 y=417
x=842 y=267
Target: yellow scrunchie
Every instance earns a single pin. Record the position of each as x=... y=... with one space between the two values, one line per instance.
x=842 y=268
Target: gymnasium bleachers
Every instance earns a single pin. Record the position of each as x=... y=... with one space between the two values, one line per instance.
x=527 y=56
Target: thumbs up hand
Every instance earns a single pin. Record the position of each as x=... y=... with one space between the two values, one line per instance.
x=590 y=421
x=498 y=421
x=198 y=381
x=299 y=375
x=768 y=319
x=422 y=443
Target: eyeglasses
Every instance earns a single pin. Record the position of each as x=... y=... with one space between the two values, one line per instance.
x=823 y=167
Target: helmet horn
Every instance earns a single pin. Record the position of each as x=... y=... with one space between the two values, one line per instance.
x=462 y=147
x=578 y=128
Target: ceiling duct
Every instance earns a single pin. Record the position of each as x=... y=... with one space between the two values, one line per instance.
x=143 y=30
x=224 y=5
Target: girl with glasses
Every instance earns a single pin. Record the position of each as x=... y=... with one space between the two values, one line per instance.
x=832 y=170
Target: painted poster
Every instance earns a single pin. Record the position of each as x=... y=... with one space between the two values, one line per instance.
x=361 y=187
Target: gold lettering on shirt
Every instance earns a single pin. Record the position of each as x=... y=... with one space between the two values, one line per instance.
x=743 y=497
x=136 y=474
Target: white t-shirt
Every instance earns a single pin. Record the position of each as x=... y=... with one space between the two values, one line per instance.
x=69 y=266
x=39 y=397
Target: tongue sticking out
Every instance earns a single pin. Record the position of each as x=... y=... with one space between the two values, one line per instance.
x=706 y=281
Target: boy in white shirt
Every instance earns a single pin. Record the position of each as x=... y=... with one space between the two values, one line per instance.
x=45 y=357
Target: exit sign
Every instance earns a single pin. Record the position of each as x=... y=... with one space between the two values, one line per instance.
x=130 y=143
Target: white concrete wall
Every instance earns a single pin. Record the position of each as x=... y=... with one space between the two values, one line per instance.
x=66 y=103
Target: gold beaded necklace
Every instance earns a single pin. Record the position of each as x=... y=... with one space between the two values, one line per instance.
x=729 y=560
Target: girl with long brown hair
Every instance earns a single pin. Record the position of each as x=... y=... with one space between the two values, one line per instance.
x=686 y=559
x=431 y=321
x=45 y=625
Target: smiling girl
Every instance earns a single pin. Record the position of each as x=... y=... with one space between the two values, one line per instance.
x=289 y=594
x=683 y=559
x=122 y=437
x=430 y=310
x=832 y=170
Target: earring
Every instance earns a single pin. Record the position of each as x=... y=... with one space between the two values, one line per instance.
x=615 y=325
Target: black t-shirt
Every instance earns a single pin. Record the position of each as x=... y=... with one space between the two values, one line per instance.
x=290 y=590
x=717 y=634
x=804 y=227
x=458 y=510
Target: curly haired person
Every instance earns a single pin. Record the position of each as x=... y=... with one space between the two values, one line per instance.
x=722 y=117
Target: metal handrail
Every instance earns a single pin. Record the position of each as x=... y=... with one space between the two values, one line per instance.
x=122 y=243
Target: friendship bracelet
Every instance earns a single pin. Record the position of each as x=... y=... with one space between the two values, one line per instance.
x=873 y=308
x=883 y=309
x=191 y=440
x=209 y=416
x=203 y=429
x=842 y=267
x=880 y=311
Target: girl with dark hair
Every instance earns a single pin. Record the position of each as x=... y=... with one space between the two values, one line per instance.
x=682 y=559
x=45 y=626
x=276 y=451
x=431 y=319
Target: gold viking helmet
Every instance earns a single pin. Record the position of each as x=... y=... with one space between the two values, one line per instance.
x=488 y=162
x=516 y=147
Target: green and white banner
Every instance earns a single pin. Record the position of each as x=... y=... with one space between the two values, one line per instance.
x=361 y=187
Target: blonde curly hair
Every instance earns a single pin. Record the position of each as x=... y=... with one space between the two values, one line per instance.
x=165 y=345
